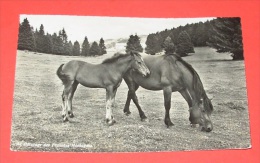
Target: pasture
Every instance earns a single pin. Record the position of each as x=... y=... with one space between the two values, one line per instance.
x=37 y=122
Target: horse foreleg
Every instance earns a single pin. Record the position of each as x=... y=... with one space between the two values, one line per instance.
x=127 y=104
x=167 y=92
x=109 y=105
x=141 y=113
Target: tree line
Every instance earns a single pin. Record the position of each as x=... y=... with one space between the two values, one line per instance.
x=58 y=44
x=223 y=34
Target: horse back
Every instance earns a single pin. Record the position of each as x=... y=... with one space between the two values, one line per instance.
x=166 y=71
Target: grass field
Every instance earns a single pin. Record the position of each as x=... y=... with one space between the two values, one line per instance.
x=37 y=123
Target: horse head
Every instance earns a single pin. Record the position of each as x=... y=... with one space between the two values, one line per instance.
x=138 y=64
x=200 y=114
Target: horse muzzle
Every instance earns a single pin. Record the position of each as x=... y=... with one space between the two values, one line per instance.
x=208 y=127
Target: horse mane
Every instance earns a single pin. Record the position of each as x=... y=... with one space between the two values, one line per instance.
x=197 y=84
x=114 y=58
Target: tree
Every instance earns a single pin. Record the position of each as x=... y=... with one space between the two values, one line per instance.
x=41 y=41
x=85 y=47
x=70 y=48
x=57 y=45
x=102 y=46
x=226 y=36
x=48 y=44
x=76 y=49
x=168 y=45
x=133 y=43
x=63 y=36
x=184 y=45
x=26 y=40
x=94 y=49
x=153 y=45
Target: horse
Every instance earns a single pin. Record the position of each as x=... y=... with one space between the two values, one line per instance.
x=108 y=75
x=171 y=73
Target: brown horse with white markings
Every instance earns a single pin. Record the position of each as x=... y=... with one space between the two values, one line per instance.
x=108 y=75
x=170 y=73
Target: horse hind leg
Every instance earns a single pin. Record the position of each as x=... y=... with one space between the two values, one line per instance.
x=66 y=101
x=167 y=104
x=63 y=107
x=73 y=89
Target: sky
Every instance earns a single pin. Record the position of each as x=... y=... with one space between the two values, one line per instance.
x=96 y=27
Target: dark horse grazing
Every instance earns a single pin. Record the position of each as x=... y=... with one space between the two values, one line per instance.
x=108 y=75
x=170 y=73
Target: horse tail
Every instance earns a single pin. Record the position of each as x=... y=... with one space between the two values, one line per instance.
x=61 y=75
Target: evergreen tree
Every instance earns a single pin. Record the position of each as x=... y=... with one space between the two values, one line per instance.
x=76 y=49
x=102 y=46
x=48 y=44
x=85 y=47
x=168 y=45
x=70 y=47
x=57 y=45
x=41 y=40
x=67 y=48
x=63 y=36
x=153 y=45
x=226 y=36
x=133 y=43
x=95 y=49
x=26 y=40
x=184 y=45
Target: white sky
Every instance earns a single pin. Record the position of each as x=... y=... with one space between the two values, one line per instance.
x=77 y=27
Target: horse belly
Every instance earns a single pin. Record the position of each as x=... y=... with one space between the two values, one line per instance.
x=148 y=83
x=90 y=79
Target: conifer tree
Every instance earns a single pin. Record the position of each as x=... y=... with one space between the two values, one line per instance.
x=226 y=36
x=153 y=44
x=133 y=43
x=26 y=40
x=70 y=47
x=41 y=40
x=102 y=46
x=76 y=49
x=57 y=45
x=168 y=45
x=94 y=49
x=85 y=47
x=184 y=45
x=48 y=44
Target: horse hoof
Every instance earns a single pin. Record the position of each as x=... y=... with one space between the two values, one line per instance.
x=127 y=113
x=144 y=119
x=169 y=124
x=110 y=122
x=65 y=119
x=71 y=115
x=193 y=125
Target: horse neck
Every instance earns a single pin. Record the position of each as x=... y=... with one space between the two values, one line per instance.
x=122 y=65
